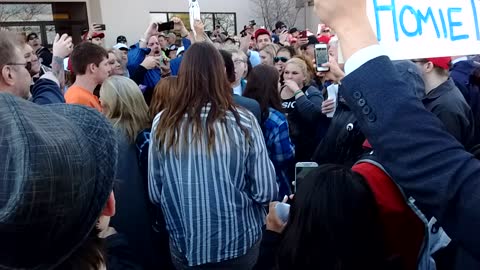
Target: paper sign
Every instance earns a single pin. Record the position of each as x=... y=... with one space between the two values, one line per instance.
x=194 y=12
x=409 y=29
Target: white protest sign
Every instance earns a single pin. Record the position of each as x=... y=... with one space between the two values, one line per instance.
x=409 y=29
x=194 y=12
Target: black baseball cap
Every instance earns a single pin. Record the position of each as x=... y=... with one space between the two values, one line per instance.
x=280 y=25
x=32 y=36
x=121 y=39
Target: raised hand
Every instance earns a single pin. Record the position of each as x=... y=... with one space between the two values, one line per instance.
x=151 y=62
x=62 y=46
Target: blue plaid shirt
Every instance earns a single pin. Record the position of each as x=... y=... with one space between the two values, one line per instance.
x=281 y=150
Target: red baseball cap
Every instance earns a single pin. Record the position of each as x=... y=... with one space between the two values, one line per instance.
x=324 y=39
x=261 y=31
x=441 y=62
x=98 y=35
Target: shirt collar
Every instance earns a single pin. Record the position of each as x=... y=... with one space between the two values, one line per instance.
x=441 y=89
x=464 y=58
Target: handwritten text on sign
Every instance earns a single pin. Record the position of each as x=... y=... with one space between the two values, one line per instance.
x=410 y=29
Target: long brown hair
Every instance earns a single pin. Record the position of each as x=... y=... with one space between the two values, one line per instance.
x=201 y=81
x=163 y=95
x=262 y=86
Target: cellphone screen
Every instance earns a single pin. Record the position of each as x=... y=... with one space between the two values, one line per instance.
x=300 y=174
x=165 y=26
x=303 y=34
x=321 y=56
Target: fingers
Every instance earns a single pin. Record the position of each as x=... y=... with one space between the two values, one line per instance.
x=285 y=199
x=57 y=37
x=271 y=207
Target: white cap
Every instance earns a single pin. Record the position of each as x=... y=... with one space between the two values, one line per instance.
x=180 y=50
x=120 y=46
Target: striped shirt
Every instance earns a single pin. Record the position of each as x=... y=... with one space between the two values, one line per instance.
x=213 y=200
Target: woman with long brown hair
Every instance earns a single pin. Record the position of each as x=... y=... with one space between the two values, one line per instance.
x=209 y=169
x=262 y=86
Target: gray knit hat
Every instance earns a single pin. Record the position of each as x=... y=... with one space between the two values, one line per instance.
x=57 y=166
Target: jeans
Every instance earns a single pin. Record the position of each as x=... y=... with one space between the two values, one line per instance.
x=244 y=262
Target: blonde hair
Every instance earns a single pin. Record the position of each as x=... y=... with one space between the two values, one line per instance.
x=126 y=107
x=233 y=49
x=303 y=67
x=271 y=49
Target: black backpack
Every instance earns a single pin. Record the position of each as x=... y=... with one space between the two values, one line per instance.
x=343 y=141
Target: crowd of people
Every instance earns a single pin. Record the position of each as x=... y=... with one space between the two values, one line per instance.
x=174 y=152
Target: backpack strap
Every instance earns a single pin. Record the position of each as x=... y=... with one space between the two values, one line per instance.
x=404 y=232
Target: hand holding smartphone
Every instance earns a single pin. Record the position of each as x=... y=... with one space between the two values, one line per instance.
x=303 y=34
x=321 y=57
x=301 y=170
x=165 y=26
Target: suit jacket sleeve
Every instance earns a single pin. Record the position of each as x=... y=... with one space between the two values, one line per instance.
x=419 y=154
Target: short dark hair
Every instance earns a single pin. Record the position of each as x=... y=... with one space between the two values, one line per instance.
x=229 y=65
x=84 y=54
x=333 y=223
x=8 y=44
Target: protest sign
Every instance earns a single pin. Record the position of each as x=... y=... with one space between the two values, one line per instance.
x=409 y=29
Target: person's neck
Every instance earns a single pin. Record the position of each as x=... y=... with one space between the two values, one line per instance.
x=36 y=48
x=236 y=83
x=85 y=82
x=433 y=82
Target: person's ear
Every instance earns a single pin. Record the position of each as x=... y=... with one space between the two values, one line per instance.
x=7 y=75
x=109 y=209
x=92 y=68
x=428 y=67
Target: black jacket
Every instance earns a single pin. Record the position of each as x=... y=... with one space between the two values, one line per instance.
x=249 y=104
x=449 y=105
x=44 y=56
x=119 y=254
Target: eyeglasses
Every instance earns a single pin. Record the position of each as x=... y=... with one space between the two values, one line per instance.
x=422 y=61
x=237 y=62
x=277 y=58
x=27 y=65
x=32 y=38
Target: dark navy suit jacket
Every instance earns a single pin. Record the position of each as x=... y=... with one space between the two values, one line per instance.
x=417 y=151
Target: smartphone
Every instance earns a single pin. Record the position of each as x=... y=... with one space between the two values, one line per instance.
x=303 y=34
x=301 y=170
x=100 y=27
x=165 y=26
x=321 y=56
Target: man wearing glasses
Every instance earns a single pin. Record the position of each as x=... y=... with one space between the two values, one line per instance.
x=15 y=77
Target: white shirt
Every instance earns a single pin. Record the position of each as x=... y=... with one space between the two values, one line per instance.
x=363 y=56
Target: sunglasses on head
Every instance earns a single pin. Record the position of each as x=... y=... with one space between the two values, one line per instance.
x=283 y=59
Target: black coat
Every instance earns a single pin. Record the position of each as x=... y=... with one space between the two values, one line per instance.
x=448 y=104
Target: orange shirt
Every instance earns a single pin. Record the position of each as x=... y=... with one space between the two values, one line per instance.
x=78 y=95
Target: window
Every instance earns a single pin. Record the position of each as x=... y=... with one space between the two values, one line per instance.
x=45 y=19
x=25 y=12
x=226 y=21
